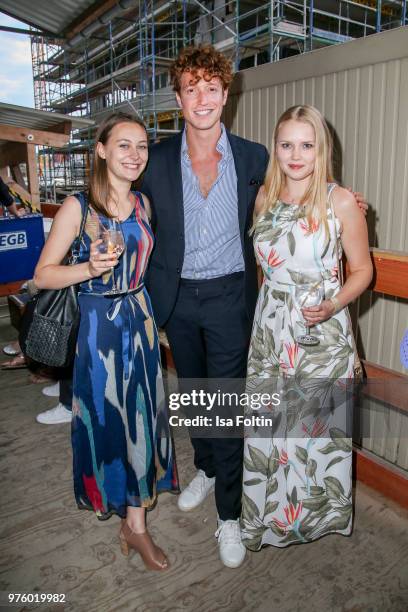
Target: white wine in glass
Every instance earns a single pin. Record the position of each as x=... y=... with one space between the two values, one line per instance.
x=307 y=295
x=112 y=243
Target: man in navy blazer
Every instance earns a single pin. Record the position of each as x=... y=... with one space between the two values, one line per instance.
x=202 y=184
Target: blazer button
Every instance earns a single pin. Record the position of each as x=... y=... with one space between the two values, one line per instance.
x=178 y=270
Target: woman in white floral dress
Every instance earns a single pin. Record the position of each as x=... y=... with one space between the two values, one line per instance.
x=297 y=478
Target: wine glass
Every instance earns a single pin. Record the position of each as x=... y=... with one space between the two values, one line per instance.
x=113 y=243
x=309 y=294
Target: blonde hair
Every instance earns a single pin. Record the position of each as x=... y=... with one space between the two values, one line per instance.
x=315 y=197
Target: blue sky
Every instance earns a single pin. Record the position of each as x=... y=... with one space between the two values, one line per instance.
x=16 y=77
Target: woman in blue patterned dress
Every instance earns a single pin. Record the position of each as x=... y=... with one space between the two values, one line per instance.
x=122 y=452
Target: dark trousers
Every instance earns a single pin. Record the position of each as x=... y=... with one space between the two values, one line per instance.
x=208 y=333
x=65 y=381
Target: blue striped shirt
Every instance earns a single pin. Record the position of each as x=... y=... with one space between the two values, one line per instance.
x=211 y=228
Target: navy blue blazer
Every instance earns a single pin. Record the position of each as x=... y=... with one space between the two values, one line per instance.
x=162 y=183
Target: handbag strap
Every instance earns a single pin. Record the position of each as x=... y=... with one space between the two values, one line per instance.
x=76 y=245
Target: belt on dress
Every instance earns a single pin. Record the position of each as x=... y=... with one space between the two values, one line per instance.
x=118 y=303
x=123 y=294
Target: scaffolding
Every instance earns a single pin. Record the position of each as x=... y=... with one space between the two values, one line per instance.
x=121 y=60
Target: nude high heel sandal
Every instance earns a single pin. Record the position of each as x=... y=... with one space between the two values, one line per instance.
x=152 y=556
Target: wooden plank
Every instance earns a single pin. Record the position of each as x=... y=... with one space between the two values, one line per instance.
x=166 y=358
x=32 y=177
x=381 y=476
x=89 y=16
x=12 y=154
x=402 y=456
x=386 y=385
x=22 y=192
x=390 y=255
x=49 y=209
x=26 y=135
x=10 y=288
x=18 y=176
x=65 y=127
x=390 y=273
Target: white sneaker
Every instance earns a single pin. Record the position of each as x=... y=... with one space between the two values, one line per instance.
x=195 y=492
x=56 y=415
x=12 y=349
x=52 y=390
x=232 y=551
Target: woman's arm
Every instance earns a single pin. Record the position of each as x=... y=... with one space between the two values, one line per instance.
x=354 y=239
x=49 y=273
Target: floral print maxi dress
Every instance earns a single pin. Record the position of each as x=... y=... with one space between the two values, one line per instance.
x=297 y=484
x=122 y=452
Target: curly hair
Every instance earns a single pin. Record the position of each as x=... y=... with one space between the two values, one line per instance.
x=205 y=58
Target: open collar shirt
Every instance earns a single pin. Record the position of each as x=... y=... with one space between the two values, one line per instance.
x=211 y=227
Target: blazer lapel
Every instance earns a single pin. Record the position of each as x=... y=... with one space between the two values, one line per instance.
x=242 y=181
x=175 y=179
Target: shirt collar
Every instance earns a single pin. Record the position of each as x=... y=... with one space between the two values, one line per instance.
x=222 y=145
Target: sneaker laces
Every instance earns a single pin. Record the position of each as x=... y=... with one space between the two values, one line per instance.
x=58 y=408
x=229 y=532
x=198 y=484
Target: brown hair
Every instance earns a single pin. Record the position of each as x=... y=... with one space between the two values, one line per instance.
x=205 y=58
x=99 y=188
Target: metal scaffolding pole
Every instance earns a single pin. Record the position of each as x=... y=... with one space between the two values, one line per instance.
x=404 y=18
x=378 y=17
x=311 y=13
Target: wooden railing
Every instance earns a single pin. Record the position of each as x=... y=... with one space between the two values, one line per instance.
x=390 y=278
x=390 y=273
x=385 y=385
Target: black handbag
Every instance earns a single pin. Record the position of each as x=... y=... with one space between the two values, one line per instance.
x=50 y=323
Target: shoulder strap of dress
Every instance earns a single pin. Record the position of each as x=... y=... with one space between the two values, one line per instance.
x=83 y=200
x=139 y=198
x=139 y=195
x=330 y=187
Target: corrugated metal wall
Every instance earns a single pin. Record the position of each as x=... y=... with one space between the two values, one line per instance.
x=362 y=89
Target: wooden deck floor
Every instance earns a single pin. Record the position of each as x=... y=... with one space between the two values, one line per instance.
x=49 y=546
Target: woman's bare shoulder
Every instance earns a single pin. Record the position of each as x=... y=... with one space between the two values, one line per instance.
x=344 y=201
